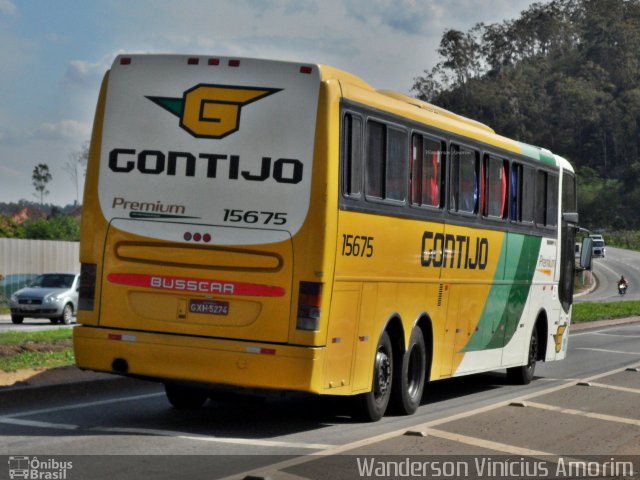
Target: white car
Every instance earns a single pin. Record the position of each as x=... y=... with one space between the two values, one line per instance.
x=51 y=295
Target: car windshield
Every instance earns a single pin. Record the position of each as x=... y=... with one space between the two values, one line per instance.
x=53 y=281
x=598 y=243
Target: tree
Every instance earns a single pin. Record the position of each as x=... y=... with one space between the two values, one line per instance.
x=39 y=178
x=76 y=167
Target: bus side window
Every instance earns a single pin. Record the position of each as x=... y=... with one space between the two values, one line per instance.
x=426 y=171
x=375 y=168
x=495 y=187
x=515 y=192
x=527 y=198
x=352 y=152
x=469 y=181
x=552 y=201
x=396 y=165
x=454 y=179
x=541 y=198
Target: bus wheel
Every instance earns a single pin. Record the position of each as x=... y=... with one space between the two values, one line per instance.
x=524 y=374
x=371 y=406
x=407 y=391
x=183 y=397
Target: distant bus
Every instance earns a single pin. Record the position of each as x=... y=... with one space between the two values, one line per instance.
x=285 y=226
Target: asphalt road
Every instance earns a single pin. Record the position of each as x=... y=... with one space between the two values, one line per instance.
x=231 y=436
x=607 y=272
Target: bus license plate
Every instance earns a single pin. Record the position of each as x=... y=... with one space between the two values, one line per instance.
x=210 y=307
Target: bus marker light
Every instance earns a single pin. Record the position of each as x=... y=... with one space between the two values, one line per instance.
x=187 y=236
x=234 y=63
x=122 y=338
x=364 y=338
x=214 y=61
x=261 y=351
x=206 y=237
x=125 y=61
x=193 y=61
x=197 y=237
x=336 y=340
x=305 y=69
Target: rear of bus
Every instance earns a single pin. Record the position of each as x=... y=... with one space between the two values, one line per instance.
x=199 y=196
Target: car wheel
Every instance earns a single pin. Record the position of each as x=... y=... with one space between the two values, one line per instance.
x=183 y=397
x=17 y=319
x=67 y=314
x=371 y=406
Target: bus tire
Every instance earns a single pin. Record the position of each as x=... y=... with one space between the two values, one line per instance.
x=412 y=374
x=371 y=406
x=183 y=397
x=17 y=319
x=524 y=374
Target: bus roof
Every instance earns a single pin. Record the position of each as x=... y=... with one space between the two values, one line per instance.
x=439 y=117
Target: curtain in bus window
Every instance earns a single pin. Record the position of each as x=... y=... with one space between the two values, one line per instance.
x=416 y=169
x=514 y=192
x=454 y=186
x=396 y=168
x=468 y=194
x=496 y=187
x=431 y=173
x=375 y=174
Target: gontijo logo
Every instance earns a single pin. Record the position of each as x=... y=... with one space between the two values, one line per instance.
x=212 y=111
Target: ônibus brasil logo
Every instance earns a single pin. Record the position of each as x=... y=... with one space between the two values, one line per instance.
x=212 y=111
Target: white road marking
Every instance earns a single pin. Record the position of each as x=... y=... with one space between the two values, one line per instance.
x=615 y=387
x=607 y=351
x=582 y=413
x=480 y=442
x=33 y=423
x=616 y=335
x=75 y=406
x=209 y=438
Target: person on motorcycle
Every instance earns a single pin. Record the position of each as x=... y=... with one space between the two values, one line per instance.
x=622 y=283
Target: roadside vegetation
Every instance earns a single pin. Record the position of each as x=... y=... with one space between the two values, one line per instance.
x=44 y=349
x=592 y=311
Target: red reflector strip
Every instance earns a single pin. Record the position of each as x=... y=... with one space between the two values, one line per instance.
x=234 y=63
x=261 y=351
x=199 y=285
x=306 y=70
x=125 y=61
x=123 y=338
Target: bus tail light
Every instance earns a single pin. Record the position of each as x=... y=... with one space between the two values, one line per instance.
x=87 y=293
x=309 y=299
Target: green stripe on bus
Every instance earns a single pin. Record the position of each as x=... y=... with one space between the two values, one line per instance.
x=537 y=154
x=505 y=303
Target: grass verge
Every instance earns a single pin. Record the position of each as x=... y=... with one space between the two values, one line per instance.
x=37 y=360
x=43 y=349
x=592 y=311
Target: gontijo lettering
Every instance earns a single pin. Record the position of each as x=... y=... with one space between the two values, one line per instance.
x=454 y=251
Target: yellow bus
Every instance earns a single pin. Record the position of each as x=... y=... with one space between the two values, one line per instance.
x=285 y=226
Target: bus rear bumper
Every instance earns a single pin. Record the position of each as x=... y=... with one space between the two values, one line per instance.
x=165 y=358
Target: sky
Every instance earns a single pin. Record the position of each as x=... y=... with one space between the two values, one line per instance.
x=53 y=55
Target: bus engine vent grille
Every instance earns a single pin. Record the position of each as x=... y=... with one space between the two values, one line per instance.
x=440 y=290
